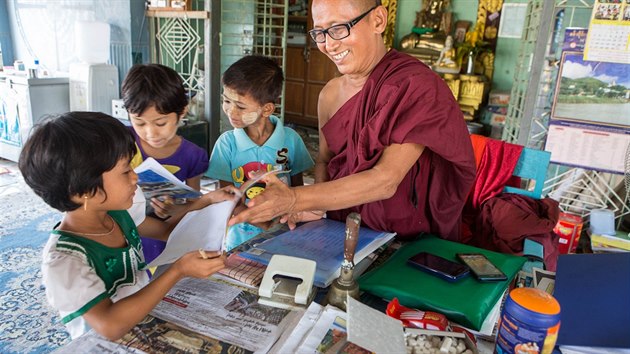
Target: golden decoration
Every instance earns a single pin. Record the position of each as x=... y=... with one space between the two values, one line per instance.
x=392 y=7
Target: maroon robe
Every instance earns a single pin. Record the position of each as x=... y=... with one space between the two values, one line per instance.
x=403 y=101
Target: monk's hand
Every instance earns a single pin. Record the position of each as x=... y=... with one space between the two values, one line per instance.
x=277 y=199
x=303 y=216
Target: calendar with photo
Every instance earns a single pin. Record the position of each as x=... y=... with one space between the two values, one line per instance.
x=609 y=32
x=592 y=91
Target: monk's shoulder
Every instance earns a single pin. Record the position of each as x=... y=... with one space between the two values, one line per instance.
x=330 y=97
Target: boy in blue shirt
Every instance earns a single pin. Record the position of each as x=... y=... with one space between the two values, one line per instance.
x=259 y=141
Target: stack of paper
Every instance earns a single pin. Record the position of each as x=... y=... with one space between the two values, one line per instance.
x=321 y=241
x=611 y=243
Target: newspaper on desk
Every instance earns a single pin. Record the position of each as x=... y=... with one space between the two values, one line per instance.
x=225 y=312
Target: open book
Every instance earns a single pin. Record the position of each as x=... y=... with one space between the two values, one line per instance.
x=156 y=181
x=321 y=241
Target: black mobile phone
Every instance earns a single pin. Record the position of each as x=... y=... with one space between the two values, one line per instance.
x=439 y=266
x=481 y=267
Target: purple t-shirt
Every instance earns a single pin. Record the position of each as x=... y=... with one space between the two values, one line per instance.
x=188 y=161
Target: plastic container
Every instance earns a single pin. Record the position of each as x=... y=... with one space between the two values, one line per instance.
x=529 y=323
x=603 y=222
x=92 y=41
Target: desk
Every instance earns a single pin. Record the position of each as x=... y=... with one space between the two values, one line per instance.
x=215 y=309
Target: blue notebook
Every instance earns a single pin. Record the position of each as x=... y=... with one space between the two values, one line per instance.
x=594 y=295
x=321 y=241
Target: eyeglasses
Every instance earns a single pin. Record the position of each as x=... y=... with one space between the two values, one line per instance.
x=337 y=31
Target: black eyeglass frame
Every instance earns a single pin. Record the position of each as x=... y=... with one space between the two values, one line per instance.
x=348 y=25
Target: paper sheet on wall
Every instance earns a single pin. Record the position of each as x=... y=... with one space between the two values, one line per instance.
x=205 y=228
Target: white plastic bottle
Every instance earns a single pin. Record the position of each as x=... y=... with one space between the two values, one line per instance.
x=33 y=71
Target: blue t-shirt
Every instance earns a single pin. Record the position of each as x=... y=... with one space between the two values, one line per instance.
x=235 y=155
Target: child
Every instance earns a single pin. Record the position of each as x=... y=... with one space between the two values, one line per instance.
x=259 y=140
x=156 y=100
x=93 y=262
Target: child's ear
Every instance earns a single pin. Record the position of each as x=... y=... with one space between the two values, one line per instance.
x=184 y=113
x=268 y=109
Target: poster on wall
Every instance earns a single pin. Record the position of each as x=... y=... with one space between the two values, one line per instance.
x=608 y=37
x=590 y=116
x=587 y=146
x=9 y=118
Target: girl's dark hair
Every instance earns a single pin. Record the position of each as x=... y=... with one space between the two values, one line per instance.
x=66 y=155
x=257 y=76
x=154 y=85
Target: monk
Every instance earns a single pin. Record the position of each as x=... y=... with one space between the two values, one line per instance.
x=393 y=144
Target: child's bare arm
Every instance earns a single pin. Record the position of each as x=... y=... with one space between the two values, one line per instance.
x=194 y=182
x=113 y=320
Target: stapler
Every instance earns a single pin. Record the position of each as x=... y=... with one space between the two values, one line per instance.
x=288 y=282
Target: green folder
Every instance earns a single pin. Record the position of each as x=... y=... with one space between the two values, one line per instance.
x=466 y=301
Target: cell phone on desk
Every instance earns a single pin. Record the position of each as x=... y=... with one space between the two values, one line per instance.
x=439 y=266
x=481 y=267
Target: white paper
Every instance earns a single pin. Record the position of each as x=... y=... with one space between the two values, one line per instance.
x=151 y=164
x=205 y=228
x=512 y=20
x=325 y=322
x=291 y=339
x=225 y=312
x=598 y=149
x=368 y=328
x=162 y=183
x=92 y=343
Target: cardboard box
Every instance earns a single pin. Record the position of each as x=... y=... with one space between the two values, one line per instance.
x=499 y=98
x=568 y=228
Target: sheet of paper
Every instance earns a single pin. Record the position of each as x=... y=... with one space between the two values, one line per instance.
x=224 y=312
x=331 y=319
x=205 y=228
x=374 y=330
x=291 y=339
x=92 y=343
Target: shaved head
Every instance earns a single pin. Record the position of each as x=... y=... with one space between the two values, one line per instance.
x=362 y=5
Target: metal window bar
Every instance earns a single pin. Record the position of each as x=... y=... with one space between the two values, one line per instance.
x=578 y=190
x=253 y=27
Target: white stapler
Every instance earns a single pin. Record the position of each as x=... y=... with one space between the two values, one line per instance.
x=293 y=284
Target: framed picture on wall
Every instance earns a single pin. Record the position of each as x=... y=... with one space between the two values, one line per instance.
x=461 y=27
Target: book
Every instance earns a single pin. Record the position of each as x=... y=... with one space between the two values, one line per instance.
x=156 y=181
x=593 y=292
x=620 y=240
x=244 y=270
x=321 y=241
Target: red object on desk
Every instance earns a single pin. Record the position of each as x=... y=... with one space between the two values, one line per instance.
x=416 y=318
x=568 y=229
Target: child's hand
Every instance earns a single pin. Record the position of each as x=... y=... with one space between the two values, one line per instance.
x=192 y=264
x=303 y=216
x=165 y=207
x=223 y=194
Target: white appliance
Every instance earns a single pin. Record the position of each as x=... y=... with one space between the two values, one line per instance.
x=93 y=87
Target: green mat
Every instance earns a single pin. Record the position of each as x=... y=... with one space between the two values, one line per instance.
x=466 y=301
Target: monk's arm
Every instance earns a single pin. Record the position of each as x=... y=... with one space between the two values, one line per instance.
x=377 y=183
x=323 y=115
